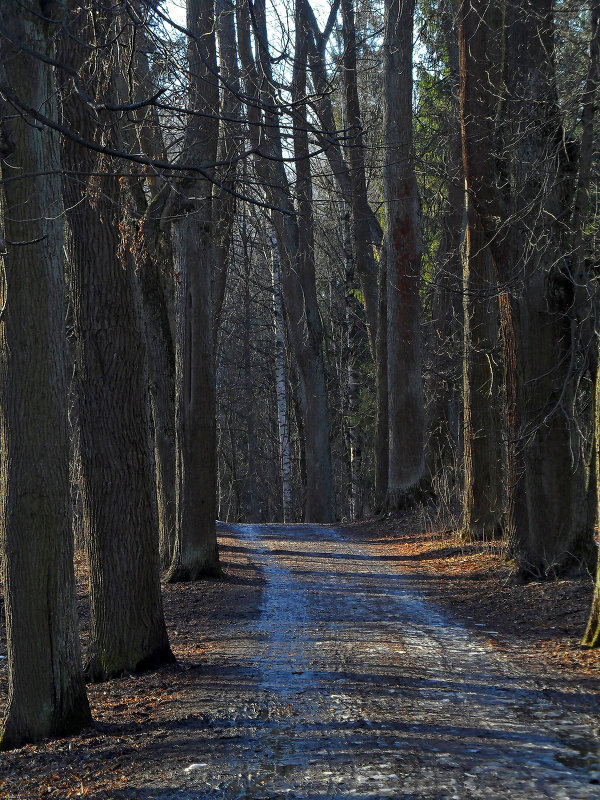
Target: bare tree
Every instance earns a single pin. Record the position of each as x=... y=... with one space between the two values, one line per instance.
x=196 y=552
x=128 y=631
x=297 y=264
x=403 y=250
x=483 y=494
x=46 y=688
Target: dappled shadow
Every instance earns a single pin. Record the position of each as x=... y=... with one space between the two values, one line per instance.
x=323 y=672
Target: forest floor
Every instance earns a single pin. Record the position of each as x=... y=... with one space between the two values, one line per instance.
x=361 y=661
x=540 y=624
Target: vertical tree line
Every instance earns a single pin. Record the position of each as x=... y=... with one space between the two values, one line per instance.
x=311 y=271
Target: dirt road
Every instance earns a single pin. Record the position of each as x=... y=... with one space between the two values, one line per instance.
x=354 y=687
x=317 y=671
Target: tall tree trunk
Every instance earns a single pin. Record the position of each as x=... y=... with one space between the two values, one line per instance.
x=351 y=353
x=319 y=489
x=479 y=48
x=296 y=257
x=483 y=495
x=251 y=482
x=46 y=692
x=229 y=147
x=281 y=389
x=580 y=208
x=406 y=476
x=552 y=304
x=363 y=249
x=382 y=450
x=196 y=552
x=592 y=633
x=128 y=631
x=367 y=233
x=544 y=305
x=443 y=415
x=161 y=359
x=154 y=269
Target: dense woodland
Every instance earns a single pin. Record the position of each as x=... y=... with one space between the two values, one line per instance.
x=282 y=262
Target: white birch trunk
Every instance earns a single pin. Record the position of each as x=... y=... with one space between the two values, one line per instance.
x=281 y=389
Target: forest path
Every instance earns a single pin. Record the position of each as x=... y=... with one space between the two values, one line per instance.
x=358 y=688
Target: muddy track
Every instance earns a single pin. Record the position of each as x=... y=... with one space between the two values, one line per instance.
x=355 y=687
x=317 y=670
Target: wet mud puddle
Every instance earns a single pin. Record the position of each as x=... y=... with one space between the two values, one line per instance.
x=357 y=688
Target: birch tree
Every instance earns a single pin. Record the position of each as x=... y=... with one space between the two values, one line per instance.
x=281 y=387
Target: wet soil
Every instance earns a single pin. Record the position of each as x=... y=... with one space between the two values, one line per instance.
x=320 y=669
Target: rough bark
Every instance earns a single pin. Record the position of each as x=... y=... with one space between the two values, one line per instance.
x=591 y=637
x=544 y=302
x=154 y=263
x=553 y=303
x=196 y=551
x=479 y=79
x=46 y=688
x=161 y=360
x=351 y=352
x=128 y=632
x=592 y=634
x=319 y=496
x=251 y=482
x=483 y=505
x=230 y=145
x=406 y=477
